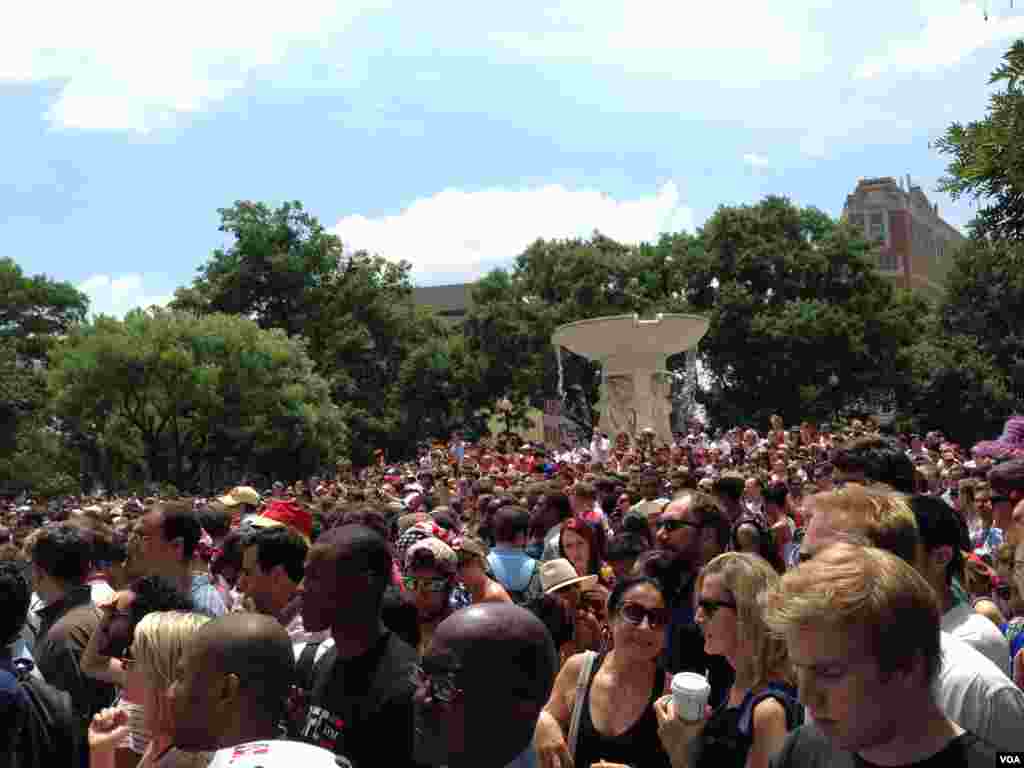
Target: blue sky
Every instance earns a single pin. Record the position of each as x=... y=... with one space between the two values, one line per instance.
x=451 y=134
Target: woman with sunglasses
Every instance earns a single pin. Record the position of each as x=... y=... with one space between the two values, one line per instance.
x=613 y=704
x=750 y=726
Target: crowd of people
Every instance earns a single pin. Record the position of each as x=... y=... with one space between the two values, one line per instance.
x=851 y=597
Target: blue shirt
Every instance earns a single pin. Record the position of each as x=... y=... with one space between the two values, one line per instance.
x=205 y=597
x=14 y=707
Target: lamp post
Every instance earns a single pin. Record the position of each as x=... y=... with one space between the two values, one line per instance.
x=505 y=407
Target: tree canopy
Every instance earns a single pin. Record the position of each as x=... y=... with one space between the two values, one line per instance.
x=214 y=394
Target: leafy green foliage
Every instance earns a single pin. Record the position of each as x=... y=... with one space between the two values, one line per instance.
x=956 y=384
x=988 y=155
x=213 y=394
x=793 y=300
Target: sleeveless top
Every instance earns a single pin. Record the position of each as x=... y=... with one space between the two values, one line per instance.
x=729 y=733
x=638 y=746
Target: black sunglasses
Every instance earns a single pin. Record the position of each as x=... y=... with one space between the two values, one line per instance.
x=711 y=606
x=999 y=499
x=656 y=617
x=675 y=525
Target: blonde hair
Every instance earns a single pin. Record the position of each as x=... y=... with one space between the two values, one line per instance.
x=880 y=516
x=161 y=640
x=865 y=590
x=746 y=577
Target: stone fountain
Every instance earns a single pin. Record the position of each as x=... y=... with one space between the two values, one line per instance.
x=636 y=388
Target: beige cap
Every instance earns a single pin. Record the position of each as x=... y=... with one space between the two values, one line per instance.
x=241 y=494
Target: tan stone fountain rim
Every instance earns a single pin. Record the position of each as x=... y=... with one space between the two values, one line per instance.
x=664 y=334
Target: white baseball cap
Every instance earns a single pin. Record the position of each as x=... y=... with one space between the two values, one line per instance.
x=277 y=754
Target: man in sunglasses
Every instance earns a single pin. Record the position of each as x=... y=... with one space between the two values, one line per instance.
x=431 y=570
x=481 y=686
x=1007 y=482
x=691 y=531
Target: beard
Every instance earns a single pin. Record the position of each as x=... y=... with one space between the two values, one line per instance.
x=671 y=567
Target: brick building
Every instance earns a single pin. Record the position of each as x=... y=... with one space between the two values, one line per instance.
x=916 y=244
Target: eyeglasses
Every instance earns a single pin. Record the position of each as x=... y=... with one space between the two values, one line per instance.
x=656 y=617
x=440 y=685
x=435 y=584
x=675 y=525
x=999 y=499
x=710 y=606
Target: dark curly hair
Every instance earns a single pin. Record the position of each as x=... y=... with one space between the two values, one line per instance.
x=15 y=594
x=155 y=594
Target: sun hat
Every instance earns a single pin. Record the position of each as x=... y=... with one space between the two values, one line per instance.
x=559 y=573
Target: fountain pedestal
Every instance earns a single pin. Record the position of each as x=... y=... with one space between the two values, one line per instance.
x=635 y=385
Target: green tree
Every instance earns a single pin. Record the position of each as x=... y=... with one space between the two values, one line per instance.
x=983 y=300
x=985 y=155
x=35 y=312
x=213 y=395
x=793 y=301
x=985 y=288
x=355 y=310
x=954 y=383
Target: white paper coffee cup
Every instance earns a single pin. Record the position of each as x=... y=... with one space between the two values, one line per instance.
x=690 y=692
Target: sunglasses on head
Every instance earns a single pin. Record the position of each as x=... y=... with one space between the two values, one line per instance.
x=435 y=584
x=635 y=615
x=710 y=606
x=675 y=525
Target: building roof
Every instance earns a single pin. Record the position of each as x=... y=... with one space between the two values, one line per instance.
x=449 y=300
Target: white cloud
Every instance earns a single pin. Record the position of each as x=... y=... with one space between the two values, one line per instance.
x=952 y=31
x=133 y=66
x=755 y=160
x=757 y=41
x=457 y=235
x=119 y=295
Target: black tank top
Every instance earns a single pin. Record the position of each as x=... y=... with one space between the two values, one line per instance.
x=638 y=746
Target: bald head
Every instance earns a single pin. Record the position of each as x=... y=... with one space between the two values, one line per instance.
x=255 y=648
x=504 y=642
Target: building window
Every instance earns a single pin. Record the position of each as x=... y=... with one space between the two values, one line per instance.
x=877 y=229
x=889 y=261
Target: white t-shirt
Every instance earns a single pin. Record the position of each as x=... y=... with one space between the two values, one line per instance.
x=974 y=693
x=966 y=624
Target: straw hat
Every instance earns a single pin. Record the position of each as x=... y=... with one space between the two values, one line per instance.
x=560 y=573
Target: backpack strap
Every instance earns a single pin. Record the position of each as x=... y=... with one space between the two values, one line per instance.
x=307 y=662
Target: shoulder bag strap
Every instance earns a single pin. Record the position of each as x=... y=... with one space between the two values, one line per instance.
x=577 y=709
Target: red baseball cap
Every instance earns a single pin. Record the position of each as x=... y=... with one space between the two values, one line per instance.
x=288 y=513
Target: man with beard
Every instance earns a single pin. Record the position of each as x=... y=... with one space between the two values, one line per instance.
x=360 y=693
x=691 y=531
x=486 y=666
